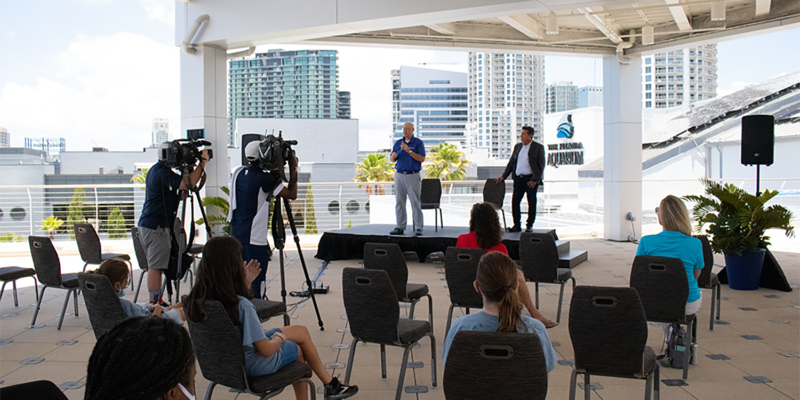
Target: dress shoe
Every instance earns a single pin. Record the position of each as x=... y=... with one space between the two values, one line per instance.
x=514 y=229
x=418 y=233
x=396 y=231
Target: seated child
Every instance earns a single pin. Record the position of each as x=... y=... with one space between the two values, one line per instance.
x=117 y=273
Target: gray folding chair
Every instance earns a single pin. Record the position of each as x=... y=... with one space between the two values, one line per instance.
x=495 y=193
x=460 y=269
x=709 y=280
x=221 y=357
x=11 y=274
x=141 y=259
x=374 y=316
x=48 y=270
x=430 y=197
x=495 y=365
x=91 y=250
x=664 y=288
x=608 y=330
x=389 y=257
x=102 y=303
x=538 y=258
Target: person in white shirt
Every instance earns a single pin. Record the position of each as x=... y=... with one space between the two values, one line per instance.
x=526 y=167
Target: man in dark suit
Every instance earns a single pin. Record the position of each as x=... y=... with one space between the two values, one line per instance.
x=526 y=170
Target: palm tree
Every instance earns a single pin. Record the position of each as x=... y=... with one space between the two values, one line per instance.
x=223 y=206
x=374 y=168
x=141 y=177
x=447 y=163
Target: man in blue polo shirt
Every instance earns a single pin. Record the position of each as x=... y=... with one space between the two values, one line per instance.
x=409 y=152
x=251 y=189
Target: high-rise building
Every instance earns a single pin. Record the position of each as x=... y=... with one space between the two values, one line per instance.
x=680 y=77
x=561 y=96
x=506 y=92
x=282 y=84
x=435 y=101
x=52 y=147
x=343 y=105
x=590 y=96
x=5 y=137
x=160 y=131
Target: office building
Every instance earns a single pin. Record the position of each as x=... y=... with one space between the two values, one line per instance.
x=343 y=105
x=52 y=147
x=590 y=96
x=680 y=77
x=282 y=84
x=506 y=92
x=5 y=137
x=160 y=132
x=435 y=101
x=561 y=96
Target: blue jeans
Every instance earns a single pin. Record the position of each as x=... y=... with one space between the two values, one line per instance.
x=262 y=254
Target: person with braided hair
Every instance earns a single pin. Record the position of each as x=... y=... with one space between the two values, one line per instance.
x=225 y=277
x=497 y=283
x=485 y=233
x=142 y=358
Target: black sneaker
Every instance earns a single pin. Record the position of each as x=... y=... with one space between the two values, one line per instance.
x=514 y=229
x=335 y=390
x=396 y=231
x=528 y=229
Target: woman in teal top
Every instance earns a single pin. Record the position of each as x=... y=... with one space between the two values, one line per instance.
x=676 y=241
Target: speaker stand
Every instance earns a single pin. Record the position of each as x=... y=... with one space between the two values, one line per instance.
x=758 y=180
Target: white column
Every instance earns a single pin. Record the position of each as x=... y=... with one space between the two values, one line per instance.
x=204 y=80
x=622 y=141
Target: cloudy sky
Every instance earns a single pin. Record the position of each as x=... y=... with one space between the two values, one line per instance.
x=99 y=71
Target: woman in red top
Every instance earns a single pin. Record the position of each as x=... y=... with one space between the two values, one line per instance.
x=485 y=233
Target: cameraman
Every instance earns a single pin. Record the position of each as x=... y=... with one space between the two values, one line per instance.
x=251 y=189
x=161 y=198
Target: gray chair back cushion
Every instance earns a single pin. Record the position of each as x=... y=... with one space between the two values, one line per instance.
x=88 y=243
x=494 y=192
x=662 y=286
x=608 y=330
x=45 y=261
x=371 y=305
x=105 y=309
x=388 y=257
x=430 y=194
x=538 y=257
x=460 y=268
x=495 y=365
x=141 y=255
x=704 y=280
x=218 y=347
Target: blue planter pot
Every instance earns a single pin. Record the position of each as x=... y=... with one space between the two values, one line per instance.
x=744 y=272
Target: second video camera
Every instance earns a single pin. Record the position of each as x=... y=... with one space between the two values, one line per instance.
x=184 y=153
x=273 y=154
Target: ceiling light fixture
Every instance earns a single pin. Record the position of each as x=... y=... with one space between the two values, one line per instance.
x=552 y=24
x=648 y=35
x=718 y=11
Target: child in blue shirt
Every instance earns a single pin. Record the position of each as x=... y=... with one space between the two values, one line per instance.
x=117 y=273
x=496 y=281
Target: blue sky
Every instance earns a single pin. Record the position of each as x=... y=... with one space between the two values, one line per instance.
x=101 y=70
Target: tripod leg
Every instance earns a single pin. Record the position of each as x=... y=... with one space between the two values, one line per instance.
x=302 y=262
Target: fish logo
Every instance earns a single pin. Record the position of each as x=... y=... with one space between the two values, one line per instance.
x=566 y=129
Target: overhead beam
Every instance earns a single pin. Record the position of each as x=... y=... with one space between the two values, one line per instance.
x=763 y=6
x=679 y=15
x=523 y=23
x=444 y=29
x=600 y=23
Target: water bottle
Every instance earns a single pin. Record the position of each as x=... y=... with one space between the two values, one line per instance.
x=693 y=360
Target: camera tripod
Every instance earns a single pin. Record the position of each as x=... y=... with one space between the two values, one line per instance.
x=279 y=237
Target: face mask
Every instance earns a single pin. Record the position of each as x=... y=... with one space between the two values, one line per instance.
x=121 y=293
x=186 y=392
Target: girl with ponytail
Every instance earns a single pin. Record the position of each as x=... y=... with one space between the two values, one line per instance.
x=497 y=283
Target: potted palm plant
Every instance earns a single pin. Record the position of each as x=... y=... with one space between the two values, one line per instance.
x=50 y=225
x=736 y=224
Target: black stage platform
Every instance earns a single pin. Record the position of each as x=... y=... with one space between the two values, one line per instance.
x=348 y=244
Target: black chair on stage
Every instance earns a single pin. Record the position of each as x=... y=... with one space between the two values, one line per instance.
x=11 y=274
x=664 y=289
x=460 y=269
x=709 y=280
x=102 y=303
x=495 y=365
x=538 y=258
x=389 y=257
x=48 y=270
x=91 y=250
x=608 y=330
x=430 y=198
x=221 y=357
x=495 y=193
x=374 y=316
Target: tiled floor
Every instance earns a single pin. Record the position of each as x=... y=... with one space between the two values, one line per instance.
x=61 y=356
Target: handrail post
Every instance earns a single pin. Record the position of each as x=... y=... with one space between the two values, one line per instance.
x=340 y=206
x=30 y=210
x=96 y=212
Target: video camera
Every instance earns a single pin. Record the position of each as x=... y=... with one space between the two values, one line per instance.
x=273 y=154
x=184 y=153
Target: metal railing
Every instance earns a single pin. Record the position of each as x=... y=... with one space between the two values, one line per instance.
x=574 y=206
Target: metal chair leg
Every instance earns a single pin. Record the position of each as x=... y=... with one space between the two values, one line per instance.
x=75 y=300
x=687 y=351
x=648 y=386
x=713 y=307
x=350 y=361
x=441 y=218
x=39 y=305
x=383 y=361
x=403 y=368
x=3 y=289
x=573 y=382
x=435 y=221
x=63 y=310
x=536 y=291
x=587 y=389
x=411 y=309
x=36 y=288
x=139 y=286
x=433 y=357
x=657 y=383
x=430 y=310
x=449 y=320
x=560 y=300
x=16 y=299
x=84 y=267
x=210 y=390
x=719 y=294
